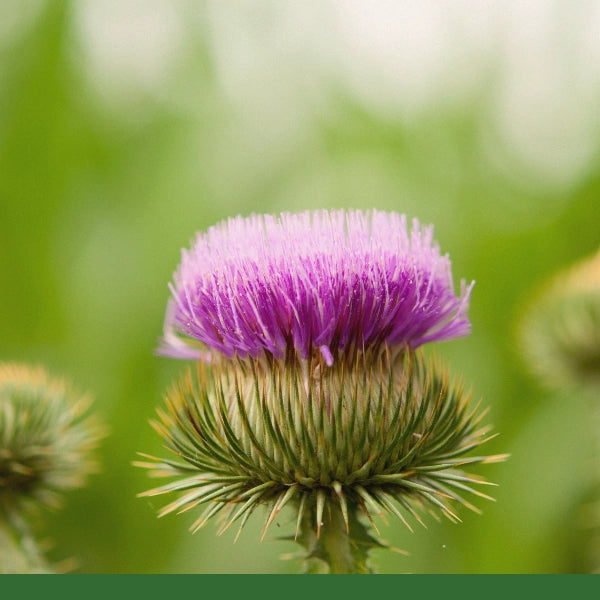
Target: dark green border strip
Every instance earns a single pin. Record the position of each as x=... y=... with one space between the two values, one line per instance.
x=292 y=587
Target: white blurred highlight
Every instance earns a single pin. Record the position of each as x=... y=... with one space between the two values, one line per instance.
x=130 y=46
x=276 y=63
x=16 y=16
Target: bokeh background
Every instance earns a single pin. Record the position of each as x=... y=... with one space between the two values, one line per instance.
x=128 y=125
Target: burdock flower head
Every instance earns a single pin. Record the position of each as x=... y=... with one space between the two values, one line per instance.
x=308 y=388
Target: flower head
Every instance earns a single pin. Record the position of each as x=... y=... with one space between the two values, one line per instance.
x=46 y=437
x=322 y=281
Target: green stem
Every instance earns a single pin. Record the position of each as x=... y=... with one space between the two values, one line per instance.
x=19 y=552
x=334 y=549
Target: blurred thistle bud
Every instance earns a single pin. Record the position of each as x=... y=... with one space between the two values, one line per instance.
x=46 y=443
x=560 y=340
x=560 y=331
x=46 y=437
x=309 y=391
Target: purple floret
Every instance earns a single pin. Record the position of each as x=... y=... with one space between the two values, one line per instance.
x=322 y=280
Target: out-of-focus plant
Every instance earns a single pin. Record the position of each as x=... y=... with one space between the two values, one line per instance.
x=560 y=332
x=46 y=441
x=308 y=390
x=560 y=340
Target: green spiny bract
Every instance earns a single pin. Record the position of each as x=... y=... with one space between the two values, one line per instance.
x=46 y=438
x=381 y=431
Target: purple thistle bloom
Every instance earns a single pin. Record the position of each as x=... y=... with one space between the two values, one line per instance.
x=324 y=280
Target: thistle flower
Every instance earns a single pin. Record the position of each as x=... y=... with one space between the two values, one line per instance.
x=560 y=331
x=315 y=280
x=310 y=391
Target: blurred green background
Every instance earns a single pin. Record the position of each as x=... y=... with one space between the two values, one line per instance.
x=126 y=126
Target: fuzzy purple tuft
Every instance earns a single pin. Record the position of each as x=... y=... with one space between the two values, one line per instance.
x=315 y=281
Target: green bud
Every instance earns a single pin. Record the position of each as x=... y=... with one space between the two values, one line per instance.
x=46 y=443
x=46 y=437
x=560 y=332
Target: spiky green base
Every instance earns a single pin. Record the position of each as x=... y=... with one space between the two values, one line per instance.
x=379 y=432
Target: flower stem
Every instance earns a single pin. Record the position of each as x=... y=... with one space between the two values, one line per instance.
x=19 y=552
x=333 y=549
